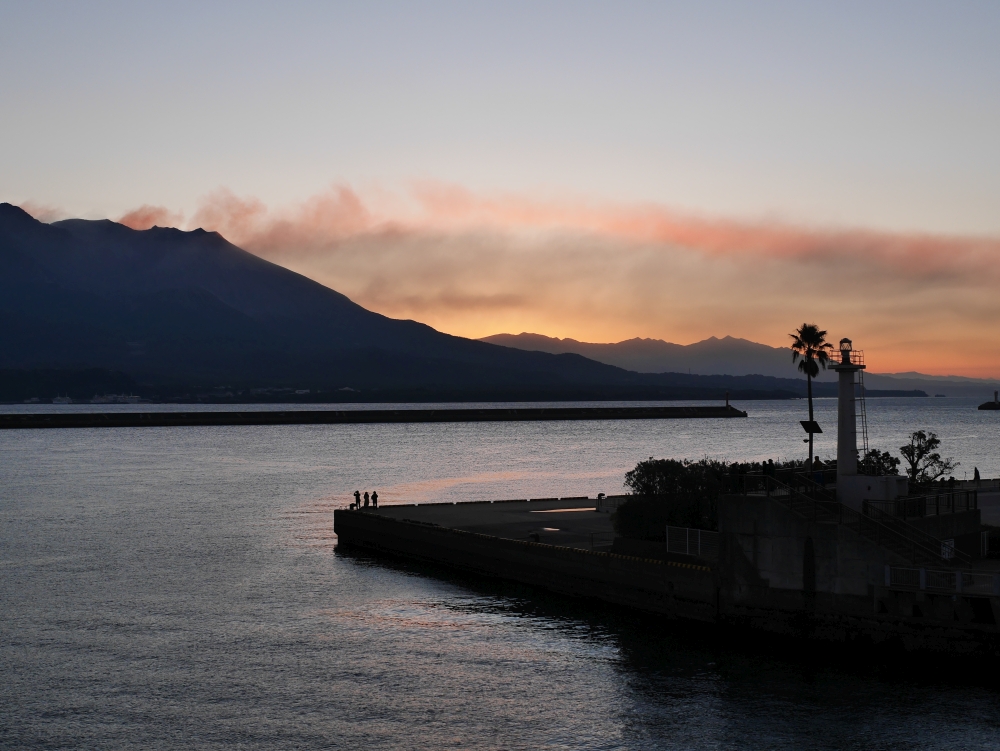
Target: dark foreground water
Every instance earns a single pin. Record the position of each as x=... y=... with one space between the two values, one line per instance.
x=181 y=588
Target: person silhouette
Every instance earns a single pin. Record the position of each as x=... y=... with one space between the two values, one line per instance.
x=975 y=475
x=357 y=499
x=366 y=499
x=374 y=499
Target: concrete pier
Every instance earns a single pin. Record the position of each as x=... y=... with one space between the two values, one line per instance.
x=779 y=567
x=495 y=539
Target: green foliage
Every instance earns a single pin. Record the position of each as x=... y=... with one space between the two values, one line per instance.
x=924 y=462
x=667 y=491
x=879 y=463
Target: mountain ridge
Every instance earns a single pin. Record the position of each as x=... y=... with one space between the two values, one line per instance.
x=166 y=306
x=726 y=355
x=188 y=310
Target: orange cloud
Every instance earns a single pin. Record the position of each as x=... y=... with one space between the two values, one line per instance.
x=43 y=212
x=455 y=207
x=147 y=216
x=327 y=218
x=474 y=264
x=340 y=214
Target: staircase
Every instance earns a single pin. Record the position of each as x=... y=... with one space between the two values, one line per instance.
x=800 y=494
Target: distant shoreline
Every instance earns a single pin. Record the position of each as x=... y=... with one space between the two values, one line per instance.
x=320 y=398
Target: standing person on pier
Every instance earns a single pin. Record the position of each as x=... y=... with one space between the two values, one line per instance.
x=366 y=499
x=357 y=499
x=374 y=499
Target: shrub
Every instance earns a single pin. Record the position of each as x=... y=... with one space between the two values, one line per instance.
x=667 y=491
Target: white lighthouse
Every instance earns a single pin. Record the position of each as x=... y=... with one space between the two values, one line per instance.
x=847 y=422
x=853 y=489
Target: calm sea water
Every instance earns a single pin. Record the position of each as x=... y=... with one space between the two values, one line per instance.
x=182 y=588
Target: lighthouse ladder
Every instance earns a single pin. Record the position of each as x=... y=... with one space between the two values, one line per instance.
x=862 y=413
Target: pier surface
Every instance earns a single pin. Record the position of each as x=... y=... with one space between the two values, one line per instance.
x=570 y=522
x=356 y=416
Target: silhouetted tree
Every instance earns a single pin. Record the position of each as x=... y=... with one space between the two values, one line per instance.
x=925 y=463
x=812 y=351
x=877 y=462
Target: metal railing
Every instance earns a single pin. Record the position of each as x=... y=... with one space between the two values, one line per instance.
x=818 y=503
x=942 y=581
x=786 y=481
x=856 y=357
x=928 y=505
x=951 y=485
x=923 y=546
x=975 y=582
x=700 y=543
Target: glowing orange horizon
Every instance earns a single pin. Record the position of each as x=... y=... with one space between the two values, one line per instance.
x=475 y=265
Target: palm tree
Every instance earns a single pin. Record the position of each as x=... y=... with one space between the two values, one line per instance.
x=810 y=344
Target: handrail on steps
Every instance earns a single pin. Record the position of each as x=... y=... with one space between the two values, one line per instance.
x=880 y=528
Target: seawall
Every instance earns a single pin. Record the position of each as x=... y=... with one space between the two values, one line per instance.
x=682 y=590
x=776 y=571
x=358 y=416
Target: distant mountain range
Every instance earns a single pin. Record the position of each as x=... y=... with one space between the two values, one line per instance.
x=184 y=313
x=87 y=306
x=728 y=356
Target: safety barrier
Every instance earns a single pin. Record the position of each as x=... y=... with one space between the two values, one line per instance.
x=700 y=543
x=943 y=581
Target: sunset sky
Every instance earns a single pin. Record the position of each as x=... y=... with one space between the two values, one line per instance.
x=593 y=170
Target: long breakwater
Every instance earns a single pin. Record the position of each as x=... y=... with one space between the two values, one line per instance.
x=347 y=417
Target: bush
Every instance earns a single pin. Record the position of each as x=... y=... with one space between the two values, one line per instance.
x=667 y=491
x=672 y=478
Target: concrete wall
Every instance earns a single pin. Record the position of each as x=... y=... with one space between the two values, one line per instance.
x=762 y=581
x=773 y=541
x=852 y=490
x=677 y=589
x=949 y=526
